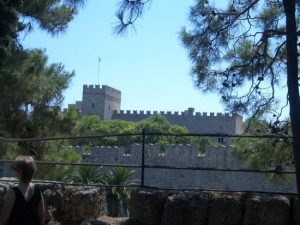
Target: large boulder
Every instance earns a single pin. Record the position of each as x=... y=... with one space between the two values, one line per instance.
x=78 y=204
x=226 y=209
x=52 y=194
x=146 y=206
x=186 y=208
x=267 y=210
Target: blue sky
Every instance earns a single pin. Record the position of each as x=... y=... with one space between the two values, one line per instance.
x=150 y=67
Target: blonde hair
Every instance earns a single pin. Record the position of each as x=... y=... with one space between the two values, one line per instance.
x=27 y=167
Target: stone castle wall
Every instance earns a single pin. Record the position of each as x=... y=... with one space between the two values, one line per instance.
x=188 y=156
x=181 y=155
x=105 y=102
x=194 y=122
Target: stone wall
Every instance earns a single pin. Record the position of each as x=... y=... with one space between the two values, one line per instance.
x=201 y=123
x=187 y=156
x=105 y=102
x=69 y=205
x=153 y=207
x=179 y=155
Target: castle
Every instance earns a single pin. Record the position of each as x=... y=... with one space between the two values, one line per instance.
x=105 y=102
x=215 y=161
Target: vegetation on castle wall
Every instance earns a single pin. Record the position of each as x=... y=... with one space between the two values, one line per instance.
x=92 y=125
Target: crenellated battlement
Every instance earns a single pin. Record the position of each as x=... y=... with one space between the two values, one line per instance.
x=98 y=89
x=195 y=122
x=173 y=113
x=184 y=155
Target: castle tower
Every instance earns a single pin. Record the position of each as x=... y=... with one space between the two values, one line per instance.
x=100 y=101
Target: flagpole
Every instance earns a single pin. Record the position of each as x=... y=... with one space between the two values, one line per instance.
x=99 y=60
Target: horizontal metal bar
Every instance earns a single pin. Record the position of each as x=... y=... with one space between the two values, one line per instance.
x=75 y=164
x=140 y=134
x=154 y=167
x=66 y=138
x=217 y=135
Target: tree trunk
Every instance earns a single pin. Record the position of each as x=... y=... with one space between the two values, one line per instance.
x=293 y=80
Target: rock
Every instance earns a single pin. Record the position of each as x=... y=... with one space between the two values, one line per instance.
x=267 y=210
x=52 y=194
x=146 y=207
x=94 y=222
x=78 y=204
x=187 y=208
x=226 y=209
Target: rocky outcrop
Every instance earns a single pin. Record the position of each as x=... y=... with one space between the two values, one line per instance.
x=267 y=210
x=186 y=208
x=226 y=208
x=150 y=212
x=79 y=205
x=152 y=207
x=69 y=204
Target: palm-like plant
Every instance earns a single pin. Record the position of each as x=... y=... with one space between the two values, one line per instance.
x=118 y=195
x=85 y=175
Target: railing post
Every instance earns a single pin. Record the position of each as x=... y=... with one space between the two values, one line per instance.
x=143 y=159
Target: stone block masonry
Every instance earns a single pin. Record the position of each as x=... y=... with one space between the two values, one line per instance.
x=99 y=100
x=187 y=156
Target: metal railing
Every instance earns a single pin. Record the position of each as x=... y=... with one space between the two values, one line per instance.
x=142 y=165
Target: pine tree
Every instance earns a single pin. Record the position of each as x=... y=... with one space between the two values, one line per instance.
x=246 y=53
x=30 y=88
x=18 y=16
